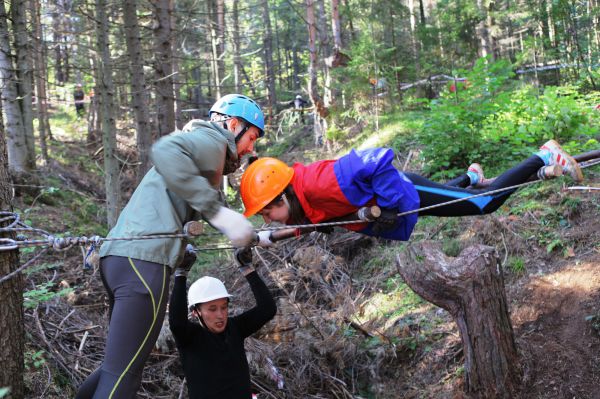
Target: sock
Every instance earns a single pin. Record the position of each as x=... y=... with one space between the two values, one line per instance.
x=545 y=156
x=474 y=177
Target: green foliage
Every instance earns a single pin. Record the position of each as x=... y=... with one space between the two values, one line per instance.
x=43 y=293
x=452 y=134
x=492 y=120
x=40 y=267
x=334 y=133
x=34 y=360
x=516 y=264
x=451 y=248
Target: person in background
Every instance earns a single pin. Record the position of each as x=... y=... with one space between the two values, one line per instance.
x=79 y=96
x=298 y=103
x=329 y=189
x=211 y=345
x=181 y=187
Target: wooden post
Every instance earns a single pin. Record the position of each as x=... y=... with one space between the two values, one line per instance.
x=471 y=288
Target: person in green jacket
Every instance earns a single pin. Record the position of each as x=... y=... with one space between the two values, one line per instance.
x=181 y=187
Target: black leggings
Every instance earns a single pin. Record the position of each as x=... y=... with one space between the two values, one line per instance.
x=432 y=193
x=137 y=292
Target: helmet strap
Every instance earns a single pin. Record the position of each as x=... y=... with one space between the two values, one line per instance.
x=285 y=200
x=240 y=134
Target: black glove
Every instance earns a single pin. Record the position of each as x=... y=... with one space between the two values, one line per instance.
x=243 y=257
x=388 y=220
x=189 y=258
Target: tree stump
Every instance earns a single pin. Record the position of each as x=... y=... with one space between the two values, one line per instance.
x=471 y=288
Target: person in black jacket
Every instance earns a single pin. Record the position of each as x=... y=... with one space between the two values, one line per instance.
x=212 y=349
x=79 y=97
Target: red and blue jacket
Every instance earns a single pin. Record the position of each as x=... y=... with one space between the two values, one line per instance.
x=334 y=188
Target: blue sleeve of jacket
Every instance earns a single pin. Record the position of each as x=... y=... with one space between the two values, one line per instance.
x=367 y=174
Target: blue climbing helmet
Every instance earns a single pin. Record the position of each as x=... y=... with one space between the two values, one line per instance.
x=242 y=107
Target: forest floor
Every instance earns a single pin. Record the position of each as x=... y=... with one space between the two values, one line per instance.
x=347 y=326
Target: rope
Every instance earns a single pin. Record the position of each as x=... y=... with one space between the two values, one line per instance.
x=65 y=243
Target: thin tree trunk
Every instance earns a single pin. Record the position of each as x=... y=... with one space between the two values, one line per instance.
x=57 y=28
x=163 y=48
x=237 y=74
x=350 y=20
x=320 y=110
x=296 y=68
x=268 y=57
x=106 y=100
x=336 y=28
x=139 y=95
x=12 y=331
x=24 y=75
x=471 y=288
x=220 y=20
x=40 y=79
x=177 y=77
x=595 y=25
x=422 y=12
x=483 y=31
x=214 y=38
x=324 y=45
x=197 y=89
x=18 y=161
x=413 y=38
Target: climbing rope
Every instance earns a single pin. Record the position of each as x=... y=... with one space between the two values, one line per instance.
x=64 y=243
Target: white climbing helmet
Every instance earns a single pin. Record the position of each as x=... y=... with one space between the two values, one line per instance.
x=206 y=289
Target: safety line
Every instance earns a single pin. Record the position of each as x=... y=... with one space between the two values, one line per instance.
x=64 y=243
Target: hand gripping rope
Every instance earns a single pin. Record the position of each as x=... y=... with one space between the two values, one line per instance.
x=193 y=229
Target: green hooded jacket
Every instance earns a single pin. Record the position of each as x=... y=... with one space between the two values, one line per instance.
x=182 y=186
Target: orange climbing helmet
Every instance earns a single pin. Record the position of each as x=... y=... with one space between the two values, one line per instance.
x=262 y=182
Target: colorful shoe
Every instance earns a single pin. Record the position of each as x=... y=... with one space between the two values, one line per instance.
x=553 y=154
x=478 y=180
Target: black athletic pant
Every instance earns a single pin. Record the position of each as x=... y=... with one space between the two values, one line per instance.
x=137 y=292
x=432 y=193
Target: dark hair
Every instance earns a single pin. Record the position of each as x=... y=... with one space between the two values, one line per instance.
x=297 y=215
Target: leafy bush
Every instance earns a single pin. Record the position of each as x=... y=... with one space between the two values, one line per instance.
x=494 y=123
x=452 y=135
x=43 y=293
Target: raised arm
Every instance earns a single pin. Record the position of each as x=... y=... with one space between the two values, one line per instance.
x=252 y=320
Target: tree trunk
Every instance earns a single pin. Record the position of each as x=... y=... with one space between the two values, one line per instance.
x=483 y=30
x=106 y=100
x=336 y=29
x=214 y=42
x=57 y=29
x=237 y=64
x=320 y=111
x=220 y=21
x=12 y=332
x=268 y=54
x=350 y=20
x=24 y=75
x=18 y=160
x=163 y=65
x=178 y=77
x=138 y=87
x=413 y=38
x=324 y=43
x=471 y=288
x=40 y=79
